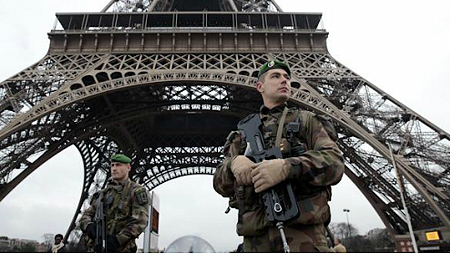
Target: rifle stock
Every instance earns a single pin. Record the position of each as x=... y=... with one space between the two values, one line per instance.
x=100 y=224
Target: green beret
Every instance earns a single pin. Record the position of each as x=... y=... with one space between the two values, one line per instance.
x=273 y=65
x=120 y=158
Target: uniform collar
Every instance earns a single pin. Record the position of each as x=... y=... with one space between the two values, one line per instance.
x=264 y=110
x=124 y=183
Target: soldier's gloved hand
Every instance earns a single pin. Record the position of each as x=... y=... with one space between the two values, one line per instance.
x=112 y=244
x=269 y=173
x=242 y=168
x=98 y=248
x=91 y=230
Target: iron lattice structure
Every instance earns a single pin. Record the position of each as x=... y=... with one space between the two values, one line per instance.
x=164 y=81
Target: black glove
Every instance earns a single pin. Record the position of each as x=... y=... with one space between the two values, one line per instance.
x=112 y=244
x=91 y=231
x=98 y=248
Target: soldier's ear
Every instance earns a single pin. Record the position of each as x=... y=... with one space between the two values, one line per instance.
x=259 y=87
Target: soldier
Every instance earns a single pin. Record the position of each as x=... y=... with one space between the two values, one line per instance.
x=125 y=204
x=311 y=161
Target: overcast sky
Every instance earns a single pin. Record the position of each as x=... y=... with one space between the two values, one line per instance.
x=400 y=46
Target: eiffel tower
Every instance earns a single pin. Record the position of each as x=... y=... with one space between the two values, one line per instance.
x=164 y=81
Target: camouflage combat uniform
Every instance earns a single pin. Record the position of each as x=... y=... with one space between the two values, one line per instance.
x=126 y=208
x=311 y=174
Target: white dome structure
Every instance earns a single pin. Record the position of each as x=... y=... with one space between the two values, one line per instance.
x=190 y=243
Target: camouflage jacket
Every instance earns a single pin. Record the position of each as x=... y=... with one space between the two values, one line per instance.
x=126 y=207
x=311 y=172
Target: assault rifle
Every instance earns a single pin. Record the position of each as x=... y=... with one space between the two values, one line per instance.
x=279 y=200
x=100 y=226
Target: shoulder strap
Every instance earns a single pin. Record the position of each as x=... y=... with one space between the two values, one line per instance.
x=280 y=127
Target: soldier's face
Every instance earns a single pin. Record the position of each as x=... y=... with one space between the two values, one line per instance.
x=119 y=171
x=275 y=87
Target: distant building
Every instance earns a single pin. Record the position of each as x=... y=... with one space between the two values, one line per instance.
x=42 y=247
x=4 y=244
x=19 y=243
x=8 y=244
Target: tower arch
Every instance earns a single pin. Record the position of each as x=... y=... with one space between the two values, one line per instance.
x=42 y=113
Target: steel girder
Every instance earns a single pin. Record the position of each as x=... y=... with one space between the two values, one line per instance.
x=118 y=101
x=168 y=5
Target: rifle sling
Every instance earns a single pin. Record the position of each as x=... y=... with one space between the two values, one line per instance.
x=280 y=127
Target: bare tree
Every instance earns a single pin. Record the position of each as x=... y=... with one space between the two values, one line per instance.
x=376 y=240
x=381 y=240
x=343 y=230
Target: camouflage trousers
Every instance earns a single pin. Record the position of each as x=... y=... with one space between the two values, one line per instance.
x=129 y=246
x=307 y=238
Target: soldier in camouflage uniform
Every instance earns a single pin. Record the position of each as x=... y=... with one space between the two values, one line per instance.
x=126 y=208
x=311 y=171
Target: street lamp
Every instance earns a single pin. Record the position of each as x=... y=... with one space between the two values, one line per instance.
x=346 y=211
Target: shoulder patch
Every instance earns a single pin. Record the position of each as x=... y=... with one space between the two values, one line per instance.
x=141 y=196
